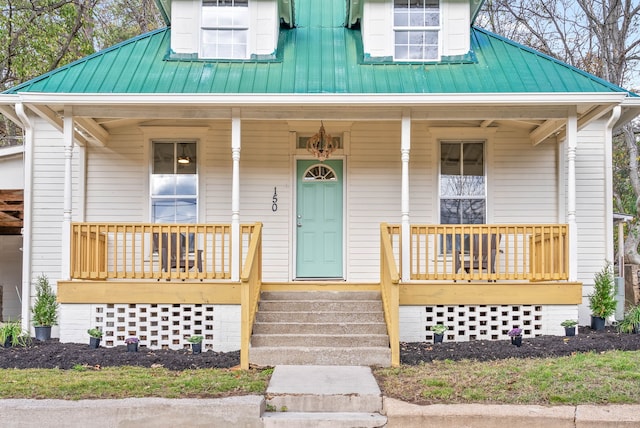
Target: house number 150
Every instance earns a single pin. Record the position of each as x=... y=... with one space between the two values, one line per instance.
x=274 y=206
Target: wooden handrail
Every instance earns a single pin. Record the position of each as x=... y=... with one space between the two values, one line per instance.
x=529 y=252
x=251 y=280
x=150 y=251
x=389 y=290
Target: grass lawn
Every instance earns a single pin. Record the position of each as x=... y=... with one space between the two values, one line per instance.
x=585 y=378
x=609 y=377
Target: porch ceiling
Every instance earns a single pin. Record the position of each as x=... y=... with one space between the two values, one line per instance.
x=544 y=118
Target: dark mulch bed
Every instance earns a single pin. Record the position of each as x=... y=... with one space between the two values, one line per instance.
x=586 y=340
x=53 y=354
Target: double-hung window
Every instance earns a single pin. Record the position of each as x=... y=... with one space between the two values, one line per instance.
x=462 y=186
x=224 y=29
x=416 y=25
x=174 y=182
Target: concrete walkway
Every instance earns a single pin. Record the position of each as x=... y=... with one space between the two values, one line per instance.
x=304 y=393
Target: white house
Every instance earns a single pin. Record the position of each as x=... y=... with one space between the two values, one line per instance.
x=260 y=146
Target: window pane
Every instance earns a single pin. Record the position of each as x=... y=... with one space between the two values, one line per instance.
x=185 y=211
x=163 y=158
x=400 y=18
x=186 y=184
x=462 y=211
x=163 y=184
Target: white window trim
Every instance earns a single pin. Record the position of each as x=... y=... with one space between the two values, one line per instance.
x=229 y=27
x=176 y=141
x=486 y=175
x=175 y=133
x=437 y=28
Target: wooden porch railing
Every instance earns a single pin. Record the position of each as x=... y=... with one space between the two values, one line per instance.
x=102 y=251
x=389 y=287
x=532 y=252
x=251 y=278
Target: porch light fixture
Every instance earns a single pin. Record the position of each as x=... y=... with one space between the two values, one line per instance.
x=321 y=144
x=183 y=158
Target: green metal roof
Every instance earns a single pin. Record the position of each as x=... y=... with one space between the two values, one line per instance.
x=320 y=55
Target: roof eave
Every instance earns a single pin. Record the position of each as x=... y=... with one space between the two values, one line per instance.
x=239 y=99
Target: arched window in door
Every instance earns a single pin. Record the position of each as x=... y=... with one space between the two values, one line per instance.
x=319 y=172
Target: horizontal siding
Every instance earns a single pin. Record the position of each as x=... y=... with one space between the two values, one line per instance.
x=522 y=187
x=591 y=204
x=117 y=178
x=523 y=182
x=373 y=186
x=265 y=163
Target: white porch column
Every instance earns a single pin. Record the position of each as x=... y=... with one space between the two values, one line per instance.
x=26 y=221
x=572 y=143
x=67 y=206
x=236 y=263
x=608 y=194
x=405 y=147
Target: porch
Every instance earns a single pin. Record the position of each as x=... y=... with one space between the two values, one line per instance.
x=192 y=264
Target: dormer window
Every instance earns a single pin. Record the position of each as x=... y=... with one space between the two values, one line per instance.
x=416 y=26
x=225 y=29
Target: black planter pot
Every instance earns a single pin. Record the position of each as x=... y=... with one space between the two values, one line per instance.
x=7 y=342
x=438 y=338
x=94 y=342
x=516 y=340
x=597 y=323
x=43 y=333
x=132 y=347
x=196 y=348
x=569 y=331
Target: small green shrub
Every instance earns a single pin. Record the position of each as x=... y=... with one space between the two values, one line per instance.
x=603 y=301
x=439 y=328
x=195 y=339
x=45 y=307
x=630 y=321
x=95 y=332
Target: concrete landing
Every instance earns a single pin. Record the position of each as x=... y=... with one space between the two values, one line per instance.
x=338 y=396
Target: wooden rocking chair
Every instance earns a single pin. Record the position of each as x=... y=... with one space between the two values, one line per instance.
x=482 y=254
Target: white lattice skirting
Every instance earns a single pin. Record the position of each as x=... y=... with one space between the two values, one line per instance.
x=483 y=322
x=157 y=326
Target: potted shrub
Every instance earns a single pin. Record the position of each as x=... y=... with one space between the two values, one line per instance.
x=438 y=332
x=95 y=334
x=602 y=301
x=196 y=344
x=132 y=343
x=516 y=336
x=631 y=321
x=45 y=309
x=569 y=327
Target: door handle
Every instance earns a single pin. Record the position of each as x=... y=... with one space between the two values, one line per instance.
x=299 y=224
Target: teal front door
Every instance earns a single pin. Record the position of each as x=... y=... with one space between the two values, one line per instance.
x=319 y=219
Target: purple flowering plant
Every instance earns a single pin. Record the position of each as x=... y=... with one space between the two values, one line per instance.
x=515 y=332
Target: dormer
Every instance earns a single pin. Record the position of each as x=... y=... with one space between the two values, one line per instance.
x=226 y=29
x=414 y=30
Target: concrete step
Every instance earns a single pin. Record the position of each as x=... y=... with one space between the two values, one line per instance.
x=323 y=396
x=346 y=356
x=323 y=420
x=320 y=305
x=315 y=328
x=320 y=340
x=320 y=295
x=319 y=317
